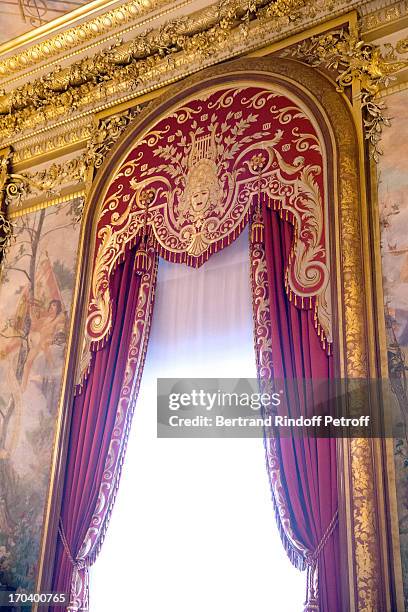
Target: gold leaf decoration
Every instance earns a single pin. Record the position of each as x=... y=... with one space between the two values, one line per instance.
x=48 y=181
x=6 y=236
x=67 y=89
x=106 y=133
x=344 y=52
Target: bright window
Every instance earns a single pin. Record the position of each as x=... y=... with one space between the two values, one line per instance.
x=193 y=527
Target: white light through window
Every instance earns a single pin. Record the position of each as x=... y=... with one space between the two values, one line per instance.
x=193 y=527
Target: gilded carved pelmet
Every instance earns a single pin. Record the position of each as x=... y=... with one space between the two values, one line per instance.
x=194 y=179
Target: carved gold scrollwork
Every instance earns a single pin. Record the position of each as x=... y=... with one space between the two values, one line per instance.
x=352 y=58
x=74 y=86
x=106 y=133
x=6 y=228
x=49 y=181
x=6 y=235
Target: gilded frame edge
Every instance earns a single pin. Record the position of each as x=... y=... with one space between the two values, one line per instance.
x=353 y=316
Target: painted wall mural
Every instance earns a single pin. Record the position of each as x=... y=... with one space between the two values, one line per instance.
x=35 y=300
x=393 y=203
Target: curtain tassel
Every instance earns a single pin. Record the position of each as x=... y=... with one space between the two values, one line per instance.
x=141 y=259
x=257 y=231
x=257 y=225
x=312 y=582
x=312 y=592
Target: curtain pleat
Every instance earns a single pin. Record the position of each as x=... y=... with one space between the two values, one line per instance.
x=100 y=422
x=306 y=501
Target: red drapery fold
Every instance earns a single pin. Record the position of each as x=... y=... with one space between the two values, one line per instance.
x=99 y=427
x=302 y=470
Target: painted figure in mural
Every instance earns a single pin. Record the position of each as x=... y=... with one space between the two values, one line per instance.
x=37 y=281
x=38 y=324
x=45 y=328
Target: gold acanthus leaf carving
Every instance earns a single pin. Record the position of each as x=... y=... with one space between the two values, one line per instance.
x=344 y=52
x=6 y=236
x=6 y=228
x=106 y=133
x=75 y=36
x=49 y=181
x=72 y=87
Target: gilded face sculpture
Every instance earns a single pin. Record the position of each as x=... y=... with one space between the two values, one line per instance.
x=202 y=190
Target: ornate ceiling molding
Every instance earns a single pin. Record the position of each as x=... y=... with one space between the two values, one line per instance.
x=72 y=38
x=383 y=16
x=178 y=48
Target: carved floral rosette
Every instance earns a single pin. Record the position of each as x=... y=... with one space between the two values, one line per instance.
x=118 y=443
x=192 y=182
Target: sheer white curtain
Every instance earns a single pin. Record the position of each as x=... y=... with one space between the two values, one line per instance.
x=193 y=527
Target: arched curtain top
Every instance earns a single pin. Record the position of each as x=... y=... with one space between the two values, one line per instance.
x=192 y=181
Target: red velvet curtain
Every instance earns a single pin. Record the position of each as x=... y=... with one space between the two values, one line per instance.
x=93 y=420
x=307 y=465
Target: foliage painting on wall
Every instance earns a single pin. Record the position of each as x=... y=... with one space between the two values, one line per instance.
x=37 y=280
x=393 y=203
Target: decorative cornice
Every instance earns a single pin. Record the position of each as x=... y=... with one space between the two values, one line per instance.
x=49 y=182
x=141 y=53
x=185 y=41
x=352 y=58
x=78 y=35
x=384 y=16
x=68 y=135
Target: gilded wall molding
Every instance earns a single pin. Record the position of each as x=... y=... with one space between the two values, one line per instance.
x=176 y=49
x=6 y=234
x=47 y=183
x=6 y=228
x=352 y=58
x=78 y=35
x=70 y=134
x=384 y=16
